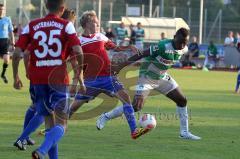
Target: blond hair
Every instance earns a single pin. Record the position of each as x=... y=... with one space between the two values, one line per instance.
x=86 y=17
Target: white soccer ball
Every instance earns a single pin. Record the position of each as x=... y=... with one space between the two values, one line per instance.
x=147 y=120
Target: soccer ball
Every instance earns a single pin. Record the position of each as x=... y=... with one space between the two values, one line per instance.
x=147 y=120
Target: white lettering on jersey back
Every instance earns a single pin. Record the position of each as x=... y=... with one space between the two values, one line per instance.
x=99 y=37
x=47 y=24
x=42 y=63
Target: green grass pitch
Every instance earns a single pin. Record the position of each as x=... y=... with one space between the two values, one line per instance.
x=214 y=116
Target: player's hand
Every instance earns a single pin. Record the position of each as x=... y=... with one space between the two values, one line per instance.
x=73 y=87
x=12 y=48
x=17 y=84
x=82 y=88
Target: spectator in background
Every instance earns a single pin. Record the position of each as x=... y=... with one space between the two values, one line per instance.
x=193 y=48
x=19 y=29
x=210 y=57
x=140 y=34
x=121 y=33
x=132 y=35
x=15 y=29
x=229 y=40
x=237 y=39
x=237 y=36
x=6 y=31
x=163 y=36
x=109 y=34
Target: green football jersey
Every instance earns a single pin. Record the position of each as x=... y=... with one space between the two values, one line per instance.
x=121 y=33
x=140 y=34
x=162 y=57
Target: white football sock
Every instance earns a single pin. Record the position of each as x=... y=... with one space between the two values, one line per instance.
x=183 y=117
x=116 y=112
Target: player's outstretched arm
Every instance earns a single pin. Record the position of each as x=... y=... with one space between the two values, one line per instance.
x=140 y=54
x=124 y=48
x=15 y=64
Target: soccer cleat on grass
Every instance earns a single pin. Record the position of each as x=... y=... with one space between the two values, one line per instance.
x=189 y=136
x=30 y=142
x=141 y=131
x=21 y=145
x=101 y=121
x=4 y=78
x=37 y=155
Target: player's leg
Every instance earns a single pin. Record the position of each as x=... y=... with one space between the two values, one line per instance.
x=44 y=107
x=76 y=104
x=34 y=123
x=130 y=116
x=29 y=115
x=4 y=45
x=127 y=109
x=6 y=58
x=169 y=87
x=31 y=122
x=92 y=90
x=142 y=90
x=60 y=102
x=113 y=85
x=53 y=151
x=206 y=61
x=31 y=109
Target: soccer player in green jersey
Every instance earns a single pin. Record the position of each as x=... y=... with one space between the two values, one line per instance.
x=210 y=56
x=139 y=36
x=121 y=33
x=153 y=75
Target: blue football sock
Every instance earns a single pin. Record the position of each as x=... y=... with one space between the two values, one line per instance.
x=34 y=123
x=28 y=116
x=53 y=152
x=129 y=114
x=51 y=138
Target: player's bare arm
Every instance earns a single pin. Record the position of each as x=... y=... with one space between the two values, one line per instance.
x=140 y=54
x=124 y=48
x=15 y=64
x=26 y=56
x=79 y=53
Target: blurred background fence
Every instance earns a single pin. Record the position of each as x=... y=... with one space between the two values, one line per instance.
x=219 y=16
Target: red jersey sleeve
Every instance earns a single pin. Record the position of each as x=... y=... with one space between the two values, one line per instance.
x=71 y=35
x=24 y=39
